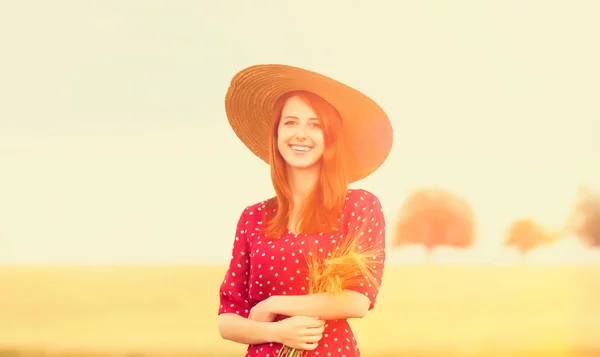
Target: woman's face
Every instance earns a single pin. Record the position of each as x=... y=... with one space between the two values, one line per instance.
x=300 y=136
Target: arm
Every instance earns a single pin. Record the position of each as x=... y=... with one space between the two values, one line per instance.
x=233 y=322
x=349 y=304
x=242 y=330
x=372 y=222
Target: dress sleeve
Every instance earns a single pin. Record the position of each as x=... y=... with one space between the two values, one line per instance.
x=234 y=288
x=368 y=216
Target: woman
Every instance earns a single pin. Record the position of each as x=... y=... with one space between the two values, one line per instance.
x=318 y=136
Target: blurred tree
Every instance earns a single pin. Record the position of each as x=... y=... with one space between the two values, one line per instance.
x=525 y=234
x=435 y=217
x=584 y=221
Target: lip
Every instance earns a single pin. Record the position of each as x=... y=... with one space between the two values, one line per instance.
x=300 y=146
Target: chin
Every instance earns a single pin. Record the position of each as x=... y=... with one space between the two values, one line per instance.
x=302 y=165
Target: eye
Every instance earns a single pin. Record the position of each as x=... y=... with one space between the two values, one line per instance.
x=289 y=122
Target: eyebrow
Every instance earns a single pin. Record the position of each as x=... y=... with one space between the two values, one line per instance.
x=293 y=117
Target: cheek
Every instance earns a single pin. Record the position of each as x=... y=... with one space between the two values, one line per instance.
x=280 y=145
x=283 y=133
x=320 y=140
x=320 y=143
x=282 y=139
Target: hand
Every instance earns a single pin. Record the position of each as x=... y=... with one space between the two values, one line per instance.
x=262 y=312
x=299 y=332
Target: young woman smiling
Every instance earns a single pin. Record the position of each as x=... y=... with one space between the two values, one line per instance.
x=318 y=136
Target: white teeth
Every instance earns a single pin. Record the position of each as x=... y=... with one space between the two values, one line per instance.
x=300 y=148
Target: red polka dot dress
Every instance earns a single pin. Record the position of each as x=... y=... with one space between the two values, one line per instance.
x=261 y=267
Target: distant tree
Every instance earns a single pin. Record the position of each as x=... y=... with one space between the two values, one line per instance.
x=585 y=218
x=525 y=234
x=435 y=217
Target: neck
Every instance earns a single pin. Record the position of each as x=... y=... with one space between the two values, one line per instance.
x=301 y=183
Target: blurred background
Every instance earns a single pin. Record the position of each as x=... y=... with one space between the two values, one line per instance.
x=121 y=181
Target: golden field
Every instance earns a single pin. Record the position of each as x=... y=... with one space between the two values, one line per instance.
x=422 y=311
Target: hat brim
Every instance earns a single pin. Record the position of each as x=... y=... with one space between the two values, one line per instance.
x=253 y=92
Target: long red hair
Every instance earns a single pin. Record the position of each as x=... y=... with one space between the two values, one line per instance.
x=322 y=208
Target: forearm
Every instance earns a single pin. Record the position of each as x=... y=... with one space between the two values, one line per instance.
x=349 y=304
x=242 y=330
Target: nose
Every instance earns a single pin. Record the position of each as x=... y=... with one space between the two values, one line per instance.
x=300 y=135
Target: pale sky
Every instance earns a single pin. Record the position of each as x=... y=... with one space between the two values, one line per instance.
x=115 y=148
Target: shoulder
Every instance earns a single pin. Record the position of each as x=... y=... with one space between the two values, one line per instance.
x=360 y=202
x=255 y=211
x=362 y=198
x=251 y=218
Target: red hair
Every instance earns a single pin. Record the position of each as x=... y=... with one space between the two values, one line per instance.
x=321 y=209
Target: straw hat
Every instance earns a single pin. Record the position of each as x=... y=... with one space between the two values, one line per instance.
x=252 y=95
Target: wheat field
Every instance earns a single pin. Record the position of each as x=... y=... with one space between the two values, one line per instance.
x=423 y=311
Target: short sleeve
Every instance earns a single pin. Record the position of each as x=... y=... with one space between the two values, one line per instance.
x=234 y=288
x=368 y=216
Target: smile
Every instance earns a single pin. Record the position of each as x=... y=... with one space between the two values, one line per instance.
x=300 y=148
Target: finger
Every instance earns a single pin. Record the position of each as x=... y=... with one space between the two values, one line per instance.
x=310 y=321
x=254 y=316
x=308 y=346
x=311 y=339
x=308 y=318
x=315 y=323
x=311 y=331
